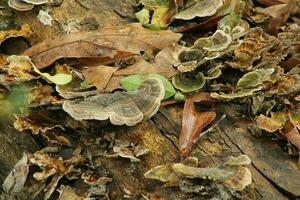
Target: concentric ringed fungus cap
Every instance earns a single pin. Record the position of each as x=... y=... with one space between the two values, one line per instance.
x=36 y=2
x=20 y=5
x=120 y=108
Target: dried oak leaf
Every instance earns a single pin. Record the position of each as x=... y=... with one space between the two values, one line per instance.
x=120 y=107
x=193 y=123
x=107 y=43
x=164 y=64
x=24 y=31
x=17 y=70
x=256 y=43
x=98 y=76
x=199 y=8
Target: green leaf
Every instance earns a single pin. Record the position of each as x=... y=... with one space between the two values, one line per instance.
x=229 y=21
x=132 y=82
x=58 y=79
x=143 y=16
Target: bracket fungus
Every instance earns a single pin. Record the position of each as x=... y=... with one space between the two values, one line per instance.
x=199 y=8
x=248 y=84
x=120 y=107
x=232 y=173
x=256 y=43
x=188 y=81
x=20 y=5
x=217 y=42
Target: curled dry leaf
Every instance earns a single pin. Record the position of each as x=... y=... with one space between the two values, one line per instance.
x=39 y=95
x=193 y=123
x=23 y=123
x=98 y=76
x=14 y=182
x=17 y=70
x=107 y=43
x=293 y=136
x=120 y=107
x=67 y=193
x=24 y=31
x=271 y=10
x=199 y=8
x=127 y=150
x=281 y=17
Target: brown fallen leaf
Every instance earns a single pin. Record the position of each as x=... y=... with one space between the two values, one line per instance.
x=293 y=136
x=271 y=10
x=143 y=66
x=163 y=64
x=272 y=2
x=281 y=17
x=67 y=193
x=98 y=76
x=193 y=123
x=109 y=42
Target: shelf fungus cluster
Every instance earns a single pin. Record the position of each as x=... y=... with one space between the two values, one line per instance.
x=120 y=108
x=232 y=173
x=25 y=5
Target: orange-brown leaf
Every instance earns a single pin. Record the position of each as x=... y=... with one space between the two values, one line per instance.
x=193 y=123
x=108 y=42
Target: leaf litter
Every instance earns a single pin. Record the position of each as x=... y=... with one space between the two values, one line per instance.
x=228 y=53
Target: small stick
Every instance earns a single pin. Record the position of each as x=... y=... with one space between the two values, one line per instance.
x=209 y=129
